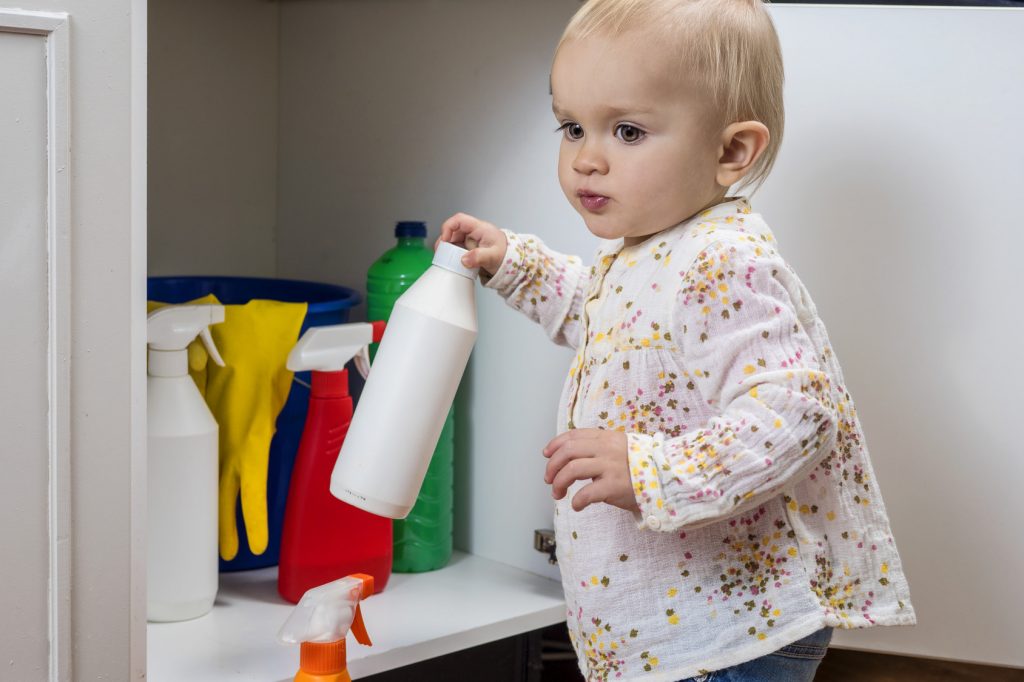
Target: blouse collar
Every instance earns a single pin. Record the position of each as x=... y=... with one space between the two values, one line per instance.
x=717 y=213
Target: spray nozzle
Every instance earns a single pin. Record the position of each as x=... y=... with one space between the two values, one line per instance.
x=326 y=613
x=172 y=328
x=327 y=349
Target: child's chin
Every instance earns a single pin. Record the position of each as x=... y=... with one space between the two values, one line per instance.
x=601 y=229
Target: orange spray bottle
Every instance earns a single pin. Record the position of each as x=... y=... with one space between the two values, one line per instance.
x=319 y=624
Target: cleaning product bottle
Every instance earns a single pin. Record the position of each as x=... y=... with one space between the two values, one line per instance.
x=408 y=393
x=319 y=624
x=423 y=540
x=182 y=468
x=324 y=538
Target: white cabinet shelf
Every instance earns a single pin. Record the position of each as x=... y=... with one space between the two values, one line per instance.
x=418 y=616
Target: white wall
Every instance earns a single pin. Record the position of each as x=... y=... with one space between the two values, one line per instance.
x=897 y=198
x=213 y=137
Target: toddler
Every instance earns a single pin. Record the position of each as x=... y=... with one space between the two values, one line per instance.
x=717 y=514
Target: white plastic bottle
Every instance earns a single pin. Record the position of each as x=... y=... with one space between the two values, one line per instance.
x=182 y=468
x=410 y=388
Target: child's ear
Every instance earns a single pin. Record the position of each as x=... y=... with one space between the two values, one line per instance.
x=741 y=146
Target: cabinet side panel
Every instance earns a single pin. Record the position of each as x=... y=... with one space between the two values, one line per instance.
x=24 y=461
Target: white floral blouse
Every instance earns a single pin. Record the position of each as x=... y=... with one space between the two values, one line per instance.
x=761 y=520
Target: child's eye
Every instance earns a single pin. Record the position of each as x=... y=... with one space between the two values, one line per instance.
x=629 y=134
x=572 y=131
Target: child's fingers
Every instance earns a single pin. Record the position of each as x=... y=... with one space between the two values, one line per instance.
x=576 y=470
x=458 y=224
x=558 y=459
x=597 y=491
x=575 y=448
x=452 y=223
x=489 y=238
x=571 y=435
x=485 y=235
x=451 y=228
x=446 y=232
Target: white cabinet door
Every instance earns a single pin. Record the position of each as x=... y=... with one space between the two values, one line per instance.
x=30 y=448
x=72 y=274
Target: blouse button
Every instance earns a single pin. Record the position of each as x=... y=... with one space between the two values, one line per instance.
x=653 y=522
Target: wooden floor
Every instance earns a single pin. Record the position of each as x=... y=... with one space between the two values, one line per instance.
x=840 y=665
x=844 y=665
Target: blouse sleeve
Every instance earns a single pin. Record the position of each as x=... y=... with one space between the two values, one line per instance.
x=546 y=286
x=747 y=353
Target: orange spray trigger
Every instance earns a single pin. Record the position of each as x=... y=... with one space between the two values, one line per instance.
x=358 y=626
x=359 y=629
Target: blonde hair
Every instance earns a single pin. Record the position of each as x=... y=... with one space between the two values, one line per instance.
x=729 y=46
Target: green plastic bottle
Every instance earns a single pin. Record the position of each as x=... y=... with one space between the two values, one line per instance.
x=423 y=540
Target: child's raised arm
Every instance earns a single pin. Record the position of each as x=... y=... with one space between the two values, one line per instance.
x=747 y=352
x=546 y=286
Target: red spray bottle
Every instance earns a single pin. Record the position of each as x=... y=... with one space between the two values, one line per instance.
x=323 y=538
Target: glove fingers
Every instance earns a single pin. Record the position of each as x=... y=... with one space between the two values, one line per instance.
x=246 y=398
x=254 y=501
x=228 y=530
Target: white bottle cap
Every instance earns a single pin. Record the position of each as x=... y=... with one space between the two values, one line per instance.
x=449 y=256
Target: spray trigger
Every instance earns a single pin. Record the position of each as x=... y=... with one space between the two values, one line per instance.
x=359 y=629
x=211 y=348
x=362 y=360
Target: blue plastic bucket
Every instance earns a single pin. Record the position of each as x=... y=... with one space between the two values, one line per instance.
x=328 y=304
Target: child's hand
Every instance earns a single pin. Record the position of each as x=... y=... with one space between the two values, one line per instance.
x=596 y=454
x=486 y=242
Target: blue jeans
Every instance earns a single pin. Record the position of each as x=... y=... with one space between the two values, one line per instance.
x=795 y=662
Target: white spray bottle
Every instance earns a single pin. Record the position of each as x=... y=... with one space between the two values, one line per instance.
x=405 y=402
x=182 y=468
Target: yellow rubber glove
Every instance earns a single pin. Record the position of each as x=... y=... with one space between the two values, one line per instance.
x=246 y=397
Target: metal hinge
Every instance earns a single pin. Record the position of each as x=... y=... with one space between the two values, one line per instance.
x=544 y=541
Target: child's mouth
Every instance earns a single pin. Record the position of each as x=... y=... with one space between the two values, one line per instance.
x=592 y=202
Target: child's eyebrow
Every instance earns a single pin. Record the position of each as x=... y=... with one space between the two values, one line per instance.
x=612 y=110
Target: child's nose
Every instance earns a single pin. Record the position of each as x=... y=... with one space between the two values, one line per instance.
x=590 y=159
